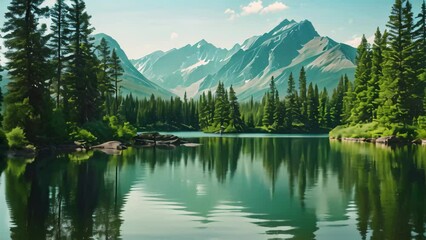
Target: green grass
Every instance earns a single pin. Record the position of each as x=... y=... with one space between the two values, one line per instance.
x=376 y=130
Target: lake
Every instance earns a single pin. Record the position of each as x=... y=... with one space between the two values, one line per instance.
x=250 y=186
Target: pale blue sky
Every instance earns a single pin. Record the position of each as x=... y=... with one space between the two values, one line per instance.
x=143 y=26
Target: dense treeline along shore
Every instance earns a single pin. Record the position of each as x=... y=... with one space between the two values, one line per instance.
x=388 y=96
x=63 y=88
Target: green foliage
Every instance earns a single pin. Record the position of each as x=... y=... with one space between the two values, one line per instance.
x=3 y=139
x=58 y=127
x=361 y=112
x=389 y=89
x=116 y=72
x=101 y=130
x=27 y=52
x=58 y=41
x=80 y=134
x=221 y=106
x=126 y=132
x=421 y=127
x=291 y=102
x=16 y=138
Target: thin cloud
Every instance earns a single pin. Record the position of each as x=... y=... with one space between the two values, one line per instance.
x=274 y=7
x=174 y=36
x=256 y=7
x=252 y=8
x=231 y=13
x=356 y=40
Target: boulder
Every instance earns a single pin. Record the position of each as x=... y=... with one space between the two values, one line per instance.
x=114 y=145
x=154 y=139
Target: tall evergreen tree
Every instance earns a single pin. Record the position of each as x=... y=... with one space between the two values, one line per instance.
x=377 y=60
x=28 y=100
x=376 y=74
x=420 y=38
x=105 y=80
x=398 y=73
x=82 y=81
x=336 y=108
x=269 y=107
x=322 y=108
x=58 y=41
x=420 y=45
x=312 y=108
x=291 y=109
x=234 y=114
x=302 y=92
x=279 y=112
x=348 y=104
x=221 y=110
x=211 y=107
x=116 y=72
x=362 y=111
x=204 y=111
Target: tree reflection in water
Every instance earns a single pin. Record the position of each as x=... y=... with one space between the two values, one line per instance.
x=82 y=196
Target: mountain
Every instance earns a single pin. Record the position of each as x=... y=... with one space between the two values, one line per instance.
x=184 y=68
x=133 y=81
x=250 y=66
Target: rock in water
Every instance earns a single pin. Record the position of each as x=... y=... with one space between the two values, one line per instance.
x=116 y=145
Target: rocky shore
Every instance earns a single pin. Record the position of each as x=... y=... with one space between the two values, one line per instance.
x=389 y=140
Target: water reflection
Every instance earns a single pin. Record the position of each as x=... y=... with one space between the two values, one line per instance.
x=268 y=188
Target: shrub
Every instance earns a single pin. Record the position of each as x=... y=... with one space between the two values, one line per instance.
x=126 y=132
x=80 y=134
x=16 y=138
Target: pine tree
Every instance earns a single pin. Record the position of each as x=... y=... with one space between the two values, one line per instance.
x=420 y=38
x=362 y=110
x=204 y=112
x=348 y=104
x=235 y=115
x=420 y=49
x=269 y=107
x=398 y=74
x=58 y=41
x=211 y=104
x=312 y=108
x=267 y=111
x=116 y=72
x=82 y=84
x=302 y=93
x=279 y=113
x=323 y=103
x=27 y=101
x=291 y=109
x=376 y=75
x=221 y=110
x=105 y=81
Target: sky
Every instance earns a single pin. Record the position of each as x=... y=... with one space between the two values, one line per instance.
x=144 y=26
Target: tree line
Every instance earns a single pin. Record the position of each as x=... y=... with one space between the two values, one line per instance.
x=59 y=80
x=62 y=87
x=388 y=96
x=303 y=110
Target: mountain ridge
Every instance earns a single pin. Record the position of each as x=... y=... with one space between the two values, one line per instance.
x=133 y=80
x=250 y=65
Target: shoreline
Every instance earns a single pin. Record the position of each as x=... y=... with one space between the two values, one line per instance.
x=388 y=140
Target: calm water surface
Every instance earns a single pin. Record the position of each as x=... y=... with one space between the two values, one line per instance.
x=235 y=187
